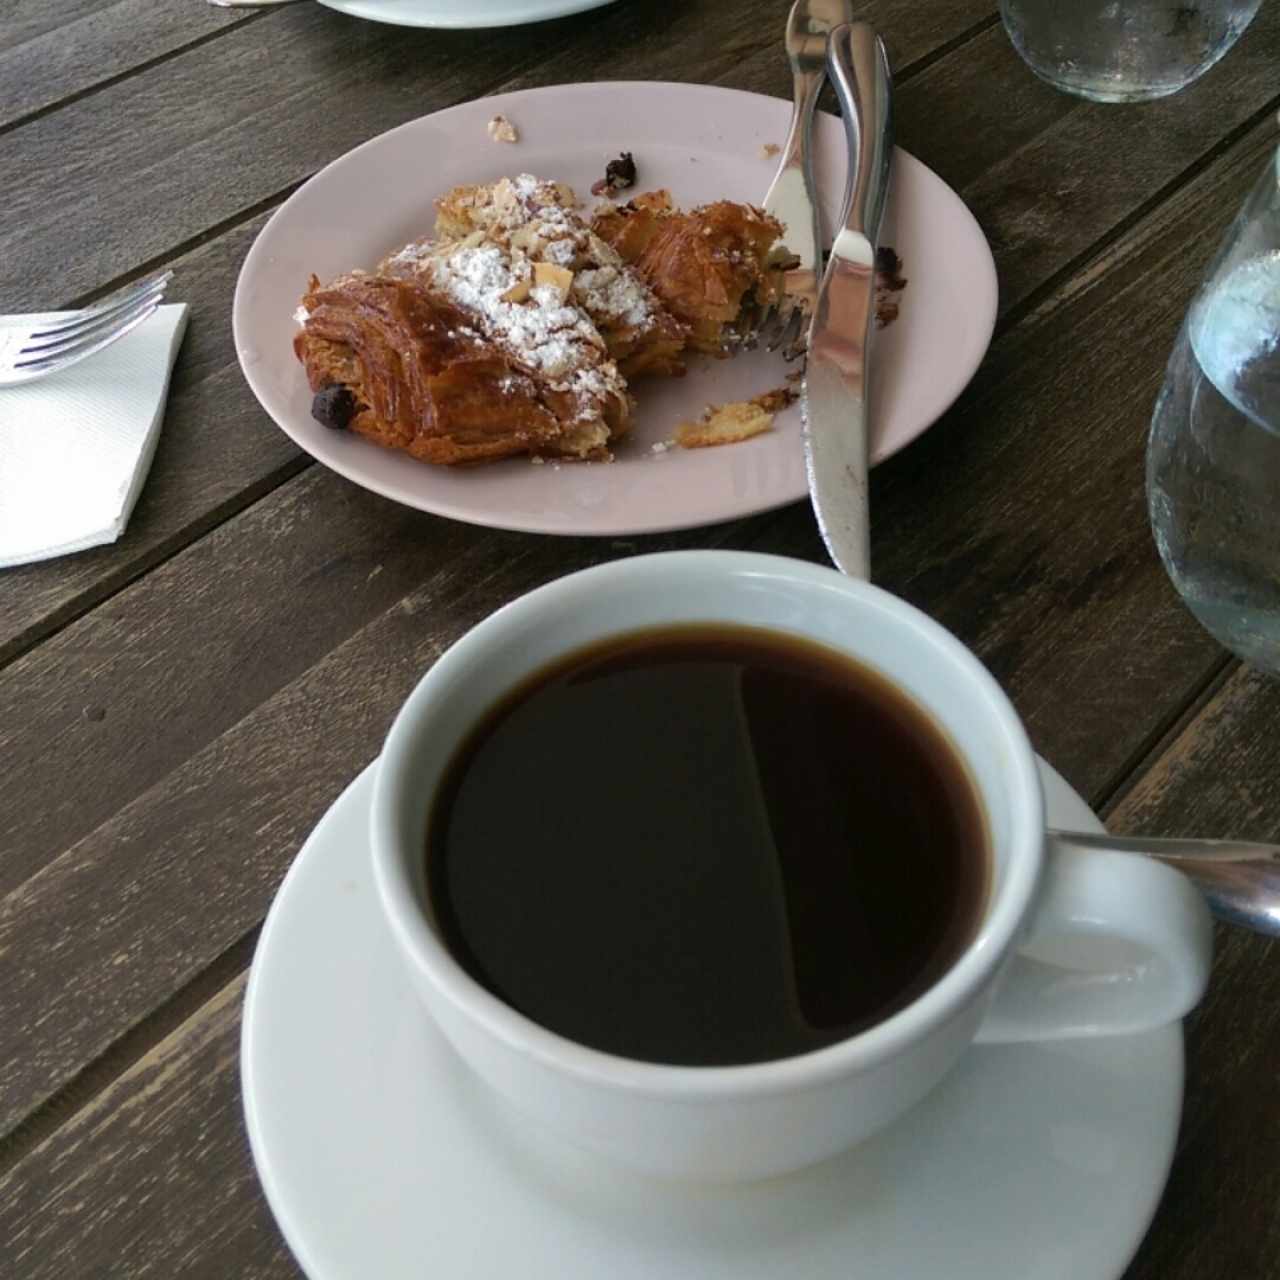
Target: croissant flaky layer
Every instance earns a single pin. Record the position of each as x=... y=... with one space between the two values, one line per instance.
x=704 y=264
x=418 y=377
x=515 y=330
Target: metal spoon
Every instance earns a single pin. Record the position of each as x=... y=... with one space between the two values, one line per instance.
x=1240 y=879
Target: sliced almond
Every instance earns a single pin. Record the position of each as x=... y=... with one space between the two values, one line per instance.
x=518 y=291
x=560 y=278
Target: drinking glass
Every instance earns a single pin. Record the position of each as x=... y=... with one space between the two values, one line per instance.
x=1123 y=50
x=1213 y=454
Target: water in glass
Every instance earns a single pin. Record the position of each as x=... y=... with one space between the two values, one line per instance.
x=1123 y=50
x=1213 y=456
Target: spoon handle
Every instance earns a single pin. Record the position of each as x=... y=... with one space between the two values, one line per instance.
x=1240 y=879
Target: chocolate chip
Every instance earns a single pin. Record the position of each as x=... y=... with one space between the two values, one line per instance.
x=619 y=174
x=334 y=406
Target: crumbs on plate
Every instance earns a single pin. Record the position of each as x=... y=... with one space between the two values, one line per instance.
x=502 y=130
x=734 y=422
x=769 y=150
x=890 y=283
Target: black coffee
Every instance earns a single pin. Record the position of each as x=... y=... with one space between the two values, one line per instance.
x=707 y=846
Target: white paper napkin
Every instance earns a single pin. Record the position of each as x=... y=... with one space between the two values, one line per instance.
x=75 y=447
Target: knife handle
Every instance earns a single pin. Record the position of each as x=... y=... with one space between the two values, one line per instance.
x=859 y=69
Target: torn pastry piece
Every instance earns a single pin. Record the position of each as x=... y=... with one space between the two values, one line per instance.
x=401 y=363
x=529 y=312
x=502 y=130
x=713 y=267
x=726 y=424
x=538 y=219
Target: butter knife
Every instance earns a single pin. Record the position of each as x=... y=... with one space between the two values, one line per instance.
x=835 y=384
x=791 y=197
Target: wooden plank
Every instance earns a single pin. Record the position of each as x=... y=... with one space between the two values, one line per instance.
x=153 y=1178
x=1217 y=777
x=51 y=50
x=181 y=834
x=195 y=482
x=217 y=450
x=1047 y=200
x=1020 y=520
x=254 y=113
x=215 y=834
x=240 y=119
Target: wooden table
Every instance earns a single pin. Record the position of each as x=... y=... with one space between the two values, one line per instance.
x=177 y=711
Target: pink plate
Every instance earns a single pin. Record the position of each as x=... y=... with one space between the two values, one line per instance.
x=703 y=143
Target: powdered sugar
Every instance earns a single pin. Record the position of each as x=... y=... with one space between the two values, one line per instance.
x=537 y=218
x=541 y=330
x=615 y=293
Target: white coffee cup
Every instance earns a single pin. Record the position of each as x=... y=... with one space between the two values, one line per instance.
x=1142 y=929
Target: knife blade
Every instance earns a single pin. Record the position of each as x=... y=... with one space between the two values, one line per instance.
x=836 y=382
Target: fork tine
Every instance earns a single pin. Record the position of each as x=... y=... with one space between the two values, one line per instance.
x=76 y=351
x=789 y=338
x=108 y=324
x=113 y=303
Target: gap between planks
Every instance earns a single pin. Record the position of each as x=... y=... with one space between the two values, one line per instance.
x=1037 y=299
x=111 y=585
x=97 y=1076
x=229 y=967
x=1057 y=282
x=167 y=56
x=1148 y=753
x=907 y=73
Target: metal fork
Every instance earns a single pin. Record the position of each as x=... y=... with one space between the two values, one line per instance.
x=44 y=343
x=792 y=196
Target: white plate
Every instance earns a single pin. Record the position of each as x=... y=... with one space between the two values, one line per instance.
x=460 y=13
x=382 y=1157
x=703 y=143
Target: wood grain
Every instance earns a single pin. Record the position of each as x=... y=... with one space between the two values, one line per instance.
x=223 y=461
x=1056 y=617
x=177 y=803
x=1217 y=776
x=198 y=852
x=217 y=451
x=49 y=51
x=1020 y=521
x=179 y=709
x=154 y=1178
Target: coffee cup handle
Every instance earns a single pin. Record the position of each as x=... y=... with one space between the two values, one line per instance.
x=1117 y=944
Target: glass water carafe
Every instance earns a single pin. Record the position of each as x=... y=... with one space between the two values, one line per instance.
x=1213 y=455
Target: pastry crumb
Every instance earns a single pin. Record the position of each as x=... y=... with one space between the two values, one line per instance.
x=502 y=130
x=662 y=446
x=890 y=282
x=776 y=400
x=538 y=460
x=724 y=424
x=735 y=422
x=769 y=150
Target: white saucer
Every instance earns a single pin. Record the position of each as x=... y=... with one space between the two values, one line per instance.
x=461 y=13
x=382 y=1157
